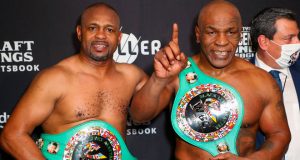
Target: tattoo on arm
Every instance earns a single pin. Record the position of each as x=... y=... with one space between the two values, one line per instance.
x=268 y=145
x=280 y=109
x=279 y=105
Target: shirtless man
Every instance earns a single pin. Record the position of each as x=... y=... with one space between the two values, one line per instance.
x=218 y=34
x=84 y=87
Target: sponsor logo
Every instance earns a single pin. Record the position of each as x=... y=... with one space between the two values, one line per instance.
x=139 y=128
x=131 y=47
x=244 y=49
x=140 y=131
x=16 y=56
x=3 y=119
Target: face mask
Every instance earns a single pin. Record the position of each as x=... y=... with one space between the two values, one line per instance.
x=289 y=54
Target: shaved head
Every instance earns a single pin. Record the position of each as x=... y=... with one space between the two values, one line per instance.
x=99 y=32
x=99 y=5
x=218 y=32
x=216 y=8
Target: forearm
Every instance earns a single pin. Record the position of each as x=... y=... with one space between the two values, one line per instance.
x=21 y=147
x=150 y=100
x=273 y=148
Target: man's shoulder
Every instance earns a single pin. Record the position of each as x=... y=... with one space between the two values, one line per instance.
x=131 y=73
x=250 y=70
x=295 y=72
x=129 y=68
x=55 y=73
x=244 y=64
x=295 y=67
x=66 y=67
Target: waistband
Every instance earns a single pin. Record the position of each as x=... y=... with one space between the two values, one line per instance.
x=90 y=140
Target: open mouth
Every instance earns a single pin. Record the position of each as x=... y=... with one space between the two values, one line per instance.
x=100 y=46
x=221 y=53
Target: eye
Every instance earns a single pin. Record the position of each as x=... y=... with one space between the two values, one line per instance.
x=289 y=39
x=211 y=33
x=92 y=28
x=110 y=30
x=231 y=32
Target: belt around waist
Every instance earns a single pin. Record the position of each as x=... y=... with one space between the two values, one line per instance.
x=90 y=140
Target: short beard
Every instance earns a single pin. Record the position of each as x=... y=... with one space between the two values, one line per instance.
x=99 y=58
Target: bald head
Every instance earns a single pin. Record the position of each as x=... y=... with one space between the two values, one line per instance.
x=99 y=6
x=218 y=30
x=221 y=9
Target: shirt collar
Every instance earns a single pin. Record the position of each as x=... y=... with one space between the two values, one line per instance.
x=259 y=63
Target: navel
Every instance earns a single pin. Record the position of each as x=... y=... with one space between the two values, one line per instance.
x=80 y=114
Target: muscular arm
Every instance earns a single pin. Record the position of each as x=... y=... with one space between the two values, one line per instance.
x=156 y=93
x=274 y=124
x=272 y=121
x=149 y=101
x=33 y=108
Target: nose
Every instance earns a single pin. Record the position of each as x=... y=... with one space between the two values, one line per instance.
x=101 y=34
x=221 y=39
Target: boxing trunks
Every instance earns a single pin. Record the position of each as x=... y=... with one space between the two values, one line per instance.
x=207 y=112
x=90 y=140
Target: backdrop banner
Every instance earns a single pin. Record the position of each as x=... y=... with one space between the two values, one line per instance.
x=37 y=34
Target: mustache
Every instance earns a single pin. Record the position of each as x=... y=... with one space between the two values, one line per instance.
x=99 y=42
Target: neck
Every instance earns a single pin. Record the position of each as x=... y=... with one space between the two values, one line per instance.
x=96 y=66
x=217 y=72
x=211 y=70
x=84 y=58
x=267 y=59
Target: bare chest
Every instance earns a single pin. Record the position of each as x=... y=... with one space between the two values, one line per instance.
x=252 y=104
x=95 y=100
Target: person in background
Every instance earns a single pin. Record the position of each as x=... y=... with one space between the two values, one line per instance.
x=80 y=99
x=275 y=38
x=218 y=34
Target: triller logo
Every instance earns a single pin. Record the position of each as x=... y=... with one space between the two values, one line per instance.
x=130 y=47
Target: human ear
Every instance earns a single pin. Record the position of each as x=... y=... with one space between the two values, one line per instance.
x=197 y=33
x=78 y=32
x=263 y=42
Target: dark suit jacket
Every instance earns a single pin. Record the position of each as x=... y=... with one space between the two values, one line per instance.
x=295 y=71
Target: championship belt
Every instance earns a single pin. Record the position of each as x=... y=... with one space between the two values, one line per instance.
x=207 y=112
x=92 y=140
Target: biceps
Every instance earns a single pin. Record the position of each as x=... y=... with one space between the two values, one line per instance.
x=273 y=118
x=33 y=108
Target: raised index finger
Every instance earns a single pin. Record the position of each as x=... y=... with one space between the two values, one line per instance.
x=175 y=33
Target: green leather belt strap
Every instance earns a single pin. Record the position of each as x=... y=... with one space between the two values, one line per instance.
x=90 y=140
x=207 y=112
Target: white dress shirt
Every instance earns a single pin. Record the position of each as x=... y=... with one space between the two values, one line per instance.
x=290 y=101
